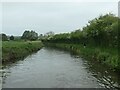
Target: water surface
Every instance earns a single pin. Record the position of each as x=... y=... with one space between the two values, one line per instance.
x=52 y=68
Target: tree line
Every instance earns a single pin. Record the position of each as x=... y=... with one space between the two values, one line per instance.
x=27 y=35
x=101 y=31
x=4 y=37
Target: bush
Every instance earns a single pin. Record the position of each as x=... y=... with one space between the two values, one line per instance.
x=11 y=37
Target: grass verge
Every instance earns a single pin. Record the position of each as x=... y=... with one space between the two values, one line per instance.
x=14 y=50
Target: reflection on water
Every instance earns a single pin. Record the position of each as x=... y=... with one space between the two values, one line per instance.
x=104 y=75
x=52 y=68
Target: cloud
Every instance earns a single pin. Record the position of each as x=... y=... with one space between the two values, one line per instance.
x=51 y=16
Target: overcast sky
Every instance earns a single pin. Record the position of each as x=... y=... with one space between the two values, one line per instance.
x=51 y=16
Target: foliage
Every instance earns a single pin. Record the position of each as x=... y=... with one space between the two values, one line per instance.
x=11 y=37
x=100 y=36
x=101 y=31
x=14 y=50
x=50 y=33
x=30 y=35
x=104 y=56
x=4 y=37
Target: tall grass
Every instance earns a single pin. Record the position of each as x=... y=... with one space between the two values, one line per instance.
x=14 y=50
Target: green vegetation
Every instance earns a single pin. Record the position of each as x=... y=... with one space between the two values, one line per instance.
x=3 y=37
x=12 y=37
x=97 y=41
x=30 y=35
x=102 y=55
x=14 y=50
x=17 y=47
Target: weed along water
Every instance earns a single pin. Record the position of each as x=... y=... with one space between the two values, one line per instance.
x=53 y=68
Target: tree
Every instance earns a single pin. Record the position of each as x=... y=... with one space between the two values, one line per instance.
x=41 y=36
x=4 y=37
x=30 y=35
x=101 y=31
x=33 y=35
x=50 y=33
x=25 y=35
x=11 y=37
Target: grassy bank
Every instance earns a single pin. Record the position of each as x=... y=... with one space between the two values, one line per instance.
x=14 y=50
x=107 y=56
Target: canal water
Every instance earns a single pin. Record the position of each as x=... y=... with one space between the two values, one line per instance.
x=52 y=68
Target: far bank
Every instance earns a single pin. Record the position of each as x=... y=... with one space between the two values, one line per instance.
x=15 y=50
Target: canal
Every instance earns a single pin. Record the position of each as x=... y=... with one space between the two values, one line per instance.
x=53 y=68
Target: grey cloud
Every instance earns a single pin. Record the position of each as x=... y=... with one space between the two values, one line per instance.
x=57 y=17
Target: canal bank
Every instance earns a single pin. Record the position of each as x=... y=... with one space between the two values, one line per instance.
x=106 y=56
x=15 y=50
